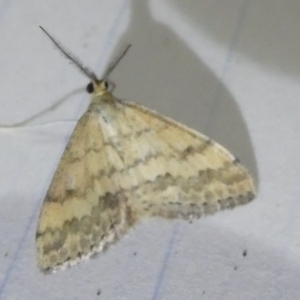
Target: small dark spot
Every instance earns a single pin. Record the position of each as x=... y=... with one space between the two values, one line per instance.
x=98 y=292
x=38 y=234
x=203 y=292
x=68 y=258
x=111 y=201
x=235 y=268
x=79 y=253
x=236 y=161
x=6 y=254
x=209 y=142
x=106 y=84
x=189 y=150
x=70 y=192
x=90 y=88
x=245 y=253
x=92 y=247
x=134 y=253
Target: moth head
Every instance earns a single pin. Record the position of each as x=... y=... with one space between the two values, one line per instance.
x=97 y=87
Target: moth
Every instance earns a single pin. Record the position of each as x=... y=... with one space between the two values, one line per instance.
x=123 y=163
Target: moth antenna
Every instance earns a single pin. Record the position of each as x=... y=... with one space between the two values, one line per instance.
x=116 y=62
x=71 y=57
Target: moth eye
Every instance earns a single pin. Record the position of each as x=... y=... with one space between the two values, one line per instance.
x=106 y=84
x=90 y=88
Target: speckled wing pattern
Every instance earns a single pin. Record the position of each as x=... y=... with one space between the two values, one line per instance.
x=123 y=163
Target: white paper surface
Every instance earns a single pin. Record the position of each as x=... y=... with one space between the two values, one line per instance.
x=230 y=69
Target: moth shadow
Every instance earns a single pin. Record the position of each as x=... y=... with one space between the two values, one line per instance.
x=161 y=72
x=267 y=35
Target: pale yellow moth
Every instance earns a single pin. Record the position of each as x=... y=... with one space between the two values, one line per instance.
x=123 y=163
